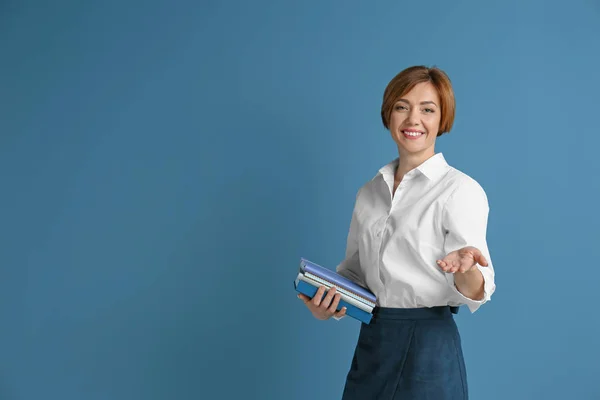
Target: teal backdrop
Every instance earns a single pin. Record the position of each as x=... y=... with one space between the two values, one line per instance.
x=165 y=164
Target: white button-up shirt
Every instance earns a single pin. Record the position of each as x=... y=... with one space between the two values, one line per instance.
x=394 y=242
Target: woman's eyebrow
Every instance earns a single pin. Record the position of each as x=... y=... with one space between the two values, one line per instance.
x=422 y=103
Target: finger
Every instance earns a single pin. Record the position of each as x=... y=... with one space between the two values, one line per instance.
x=316 y=300
x=443 y=265
x=334 y=304
x=341 y=313
x=454 y=266
x=303 y=297
x=327 y=300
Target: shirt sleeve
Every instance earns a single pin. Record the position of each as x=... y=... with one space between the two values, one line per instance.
x=465 y=221
x=350 y=266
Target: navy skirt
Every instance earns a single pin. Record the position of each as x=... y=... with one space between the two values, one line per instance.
x=408 y=354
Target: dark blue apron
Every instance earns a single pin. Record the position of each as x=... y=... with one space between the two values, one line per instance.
x=408 y=354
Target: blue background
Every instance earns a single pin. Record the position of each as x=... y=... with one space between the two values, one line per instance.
x=164 y=165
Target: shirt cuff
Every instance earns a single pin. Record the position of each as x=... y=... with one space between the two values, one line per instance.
x=472 y=304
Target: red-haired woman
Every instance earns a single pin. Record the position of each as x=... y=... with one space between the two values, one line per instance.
x=417 y=240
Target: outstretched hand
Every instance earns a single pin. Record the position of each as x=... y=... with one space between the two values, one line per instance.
x=462 y=260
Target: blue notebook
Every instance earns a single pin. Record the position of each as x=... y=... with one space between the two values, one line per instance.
x=351 y=311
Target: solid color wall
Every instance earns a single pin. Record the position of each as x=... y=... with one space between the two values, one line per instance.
x=164 y=166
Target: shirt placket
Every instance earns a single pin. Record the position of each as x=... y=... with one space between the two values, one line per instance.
x=381 y=232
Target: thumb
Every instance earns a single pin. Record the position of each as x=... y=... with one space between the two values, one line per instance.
x=478 y=256
x=481 y=260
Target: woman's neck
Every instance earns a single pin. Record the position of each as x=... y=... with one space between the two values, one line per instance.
x=408 y=162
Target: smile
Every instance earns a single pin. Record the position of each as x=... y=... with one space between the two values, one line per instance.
x=412 y=134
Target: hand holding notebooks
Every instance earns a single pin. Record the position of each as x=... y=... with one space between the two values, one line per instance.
x=359 y=301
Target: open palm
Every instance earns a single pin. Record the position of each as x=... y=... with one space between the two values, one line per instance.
x=462 y=260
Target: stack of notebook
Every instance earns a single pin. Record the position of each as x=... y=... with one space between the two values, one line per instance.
x=359 y=302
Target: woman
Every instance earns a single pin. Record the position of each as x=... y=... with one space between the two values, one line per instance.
x=417 y=240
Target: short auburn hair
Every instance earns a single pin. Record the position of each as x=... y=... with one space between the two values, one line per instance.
x=409 y=78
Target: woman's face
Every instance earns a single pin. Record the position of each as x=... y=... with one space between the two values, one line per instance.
x=415 y=120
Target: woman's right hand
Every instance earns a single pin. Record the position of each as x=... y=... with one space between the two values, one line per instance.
x=325 y=308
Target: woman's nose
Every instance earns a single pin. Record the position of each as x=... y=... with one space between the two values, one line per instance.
x=413 y=117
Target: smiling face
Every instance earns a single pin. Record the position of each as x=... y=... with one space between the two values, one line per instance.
x=415 y=121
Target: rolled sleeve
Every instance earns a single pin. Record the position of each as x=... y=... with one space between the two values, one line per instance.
x=465 y=221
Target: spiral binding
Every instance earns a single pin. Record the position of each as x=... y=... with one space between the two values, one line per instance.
x=341 y=289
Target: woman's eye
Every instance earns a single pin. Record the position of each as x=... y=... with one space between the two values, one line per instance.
x=401 y=108
x=428 y=110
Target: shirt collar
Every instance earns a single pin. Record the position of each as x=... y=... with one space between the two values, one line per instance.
x=432 y=168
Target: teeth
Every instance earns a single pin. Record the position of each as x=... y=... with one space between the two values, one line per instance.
x=412 y=133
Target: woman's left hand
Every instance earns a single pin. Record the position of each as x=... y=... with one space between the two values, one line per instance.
x=462 y=260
